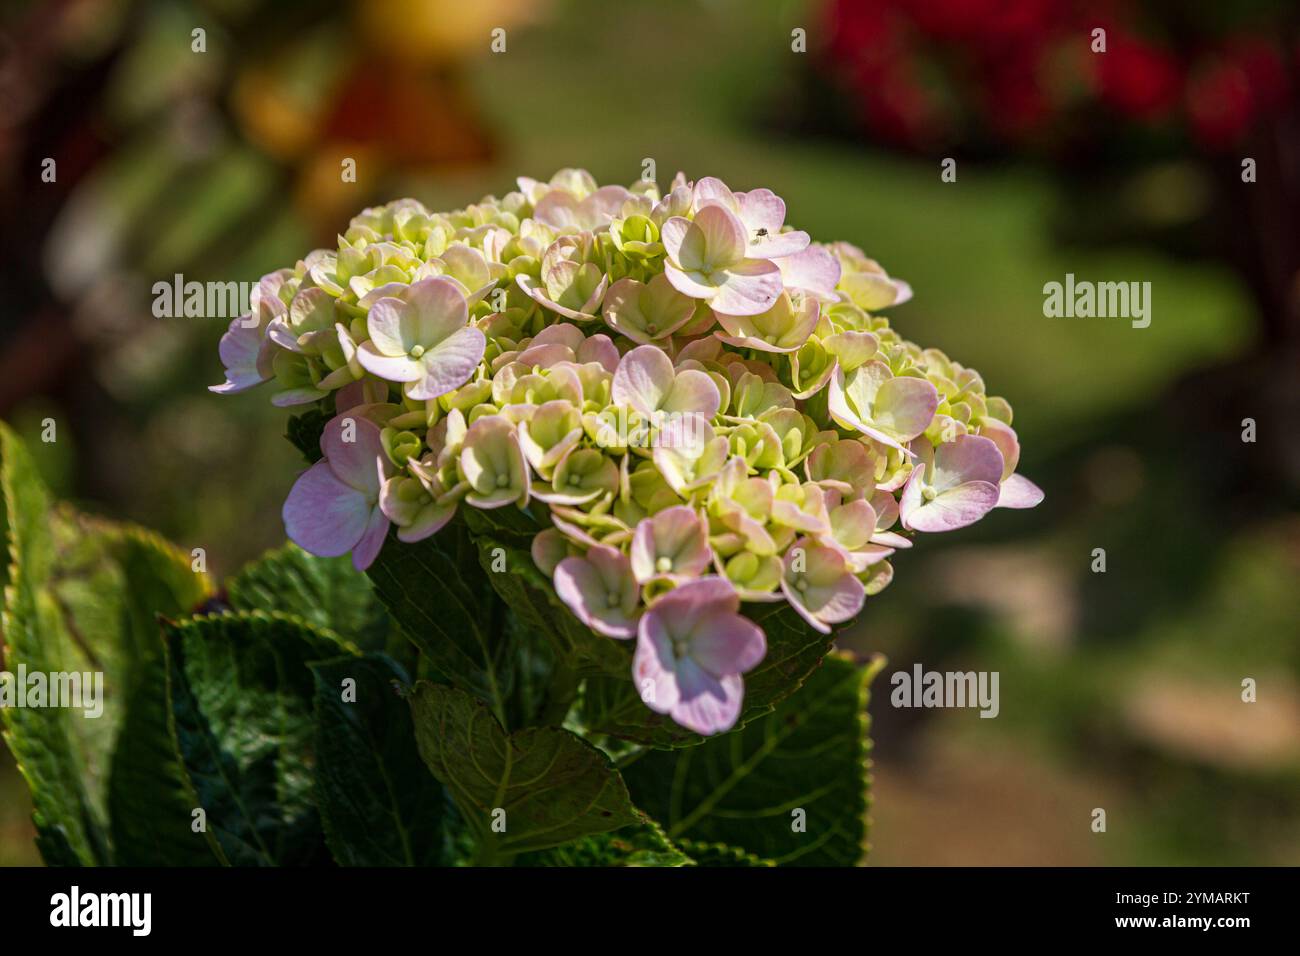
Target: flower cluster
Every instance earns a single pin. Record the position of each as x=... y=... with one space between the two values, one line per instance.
x=698 y=405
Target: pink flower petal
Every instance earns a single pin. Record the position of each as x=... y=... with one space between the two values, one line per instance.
x=393 y=368
x=701 y=350
x=710 y=189
x=853 y=523
x=562 y=333
x=367 y=549
x=391 y=329
x=676 y=535
x=297 y=396
x=727 y=643
x=840 y=601
x=1004 y=436
x=356 y=462
x=654 y=668
x=1019 y=492
x=449 y=364
x=904 y=406
x=601 y=349
x=438 y=308
x=548 y=549
x=707 y=704
x=694 y=597
x=645 y=312
x=814 y=269
x=643 y=379
x=751 y=287
x=717 y=240
x=911 y=498
x=558 y=209
x=968 y=458
x=324 y=516
x=364 y=391
x=777 y=245
x=761 y=209
x=278 y=331
x=693 y=391
x=689 y=283
x=240 y=349
x=599 y=209
x=545 y=354
x=952 y=509
x=825 y=592
x=673 y=234
x=598 y=589
x=886 y=507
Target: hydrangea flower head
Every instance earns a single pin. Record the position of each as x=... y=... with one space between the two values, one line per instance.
x=700 y=410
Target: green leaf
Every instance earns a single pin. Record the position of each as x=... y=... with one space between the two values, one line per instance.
x=489 y=622
x=613 y=707
x=304 y=431
x=539 y=689
x=326 y=592
x=150 y=796
x=552 y=786
x=70 y=827
x=642 y=844
x=440 y=596
x=794 y=653
x=441 y=600
x=81 y=597
x=242 y=693
x=719 y=854
x=516 y=526
x=529 y=594
x=744 y=789
x=378 y=802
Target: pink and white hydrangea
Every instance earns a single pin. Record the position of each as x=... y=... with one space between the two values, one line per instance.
x=696 y=408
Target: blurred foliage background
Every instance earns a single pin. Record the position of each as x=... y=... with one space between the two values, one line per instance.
x=1119 y=690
